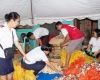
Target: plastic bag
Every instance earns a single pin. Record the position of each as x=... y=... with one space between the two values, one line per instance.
x=63 y=56
x=47 y=76
x=22 y=74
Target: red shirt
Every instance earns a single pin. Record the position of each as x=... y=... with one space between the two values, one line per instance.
x=73 y=32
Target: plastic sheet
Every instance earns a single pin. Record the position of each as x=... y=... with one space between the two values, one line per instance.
x=46 y=76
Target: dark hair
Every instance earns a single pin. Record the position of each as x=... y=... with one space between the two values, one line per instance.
x=12 y=15
x=97 y=32
x=29 y=34
x=22 y=36
x=47 y=47
x=58 y=23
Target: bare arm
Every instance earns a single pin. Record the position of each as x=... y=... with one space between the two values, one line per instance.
x=17 y=44
x=66 y=40
x=51 y=66
x=89 y=46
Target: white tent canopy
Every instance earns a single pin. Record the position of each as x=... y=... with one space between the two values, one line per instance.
x=51 y=9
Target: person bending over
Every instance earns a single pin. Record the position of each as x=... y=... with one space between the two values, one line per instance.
x=72 y=35
x=38 y=59
x=40 y=35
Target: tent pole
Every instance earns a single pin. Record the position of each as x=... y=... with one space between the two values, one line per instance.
x=32 y=12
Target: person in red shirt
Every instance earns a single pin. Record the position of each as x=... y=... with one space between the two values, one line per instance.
x=73 y=36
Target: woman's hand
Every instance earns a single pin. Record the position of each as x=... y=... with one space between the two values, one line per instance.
x=24 y=57
x=61 y=46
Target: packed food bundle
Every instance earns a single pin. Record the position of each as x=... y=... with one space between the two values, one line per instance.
x=56 y=46
x=83 y=72
x=21 y=74
x=47 y=69
x=81 y=67
x=76 y=54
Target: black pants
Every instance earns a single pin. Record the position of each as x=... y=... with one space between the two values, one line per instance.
x=88 y=53
x=45 y=39
x=6 y=66
x=38 y=66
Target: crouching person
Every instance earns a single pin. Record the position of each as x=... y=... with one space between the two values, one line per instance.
x=38 y=59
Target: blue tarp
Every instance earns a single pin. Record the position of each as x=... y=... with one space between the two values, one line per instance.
x=47 y=76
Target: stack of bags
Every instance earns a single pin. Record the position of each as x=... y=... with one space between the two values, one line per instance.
x=76 y=54
x=47 y=69
x=81 y=67
x=22 y=74
x=84 y=72
x=55 y=54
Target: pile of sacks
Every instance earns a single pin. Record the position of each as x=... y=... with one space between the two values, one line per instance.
x=84 y=72
x=22 y=74
x=81 y=67
x=74 y=56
